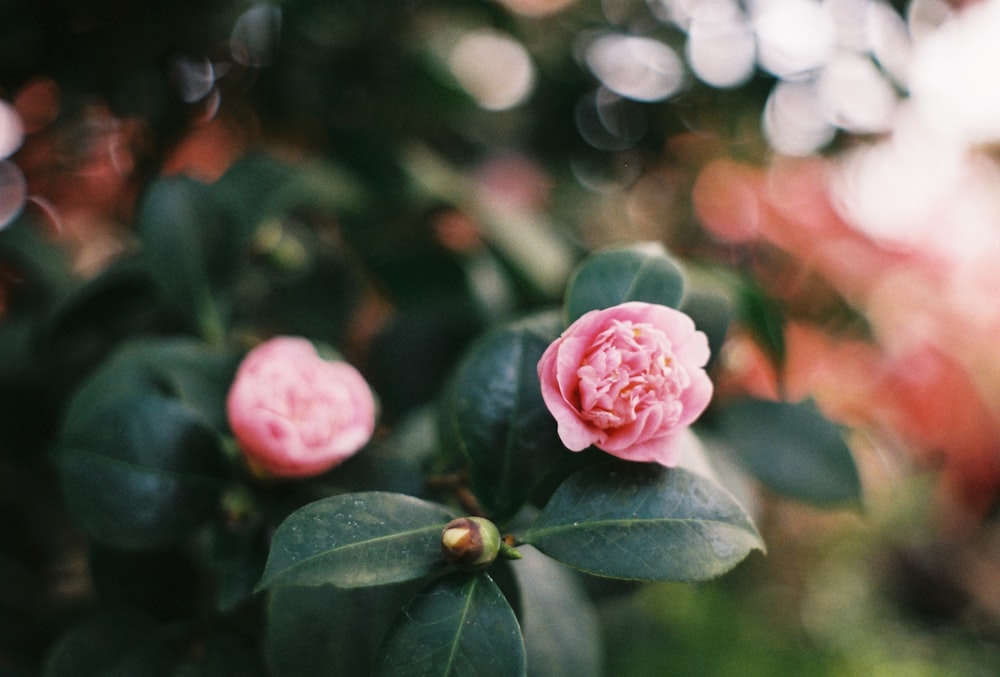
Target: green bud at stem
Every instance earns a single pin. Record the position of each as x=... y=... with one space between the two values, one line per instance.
x=470 y=543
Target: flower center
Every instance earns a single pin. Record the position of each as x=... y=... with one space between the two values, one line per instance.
x=630 y=374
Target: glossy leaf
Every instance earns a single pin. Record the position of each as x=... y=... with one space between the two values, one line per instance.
x=793 y=449
x=325 y=630
x=495 y=415
x=141 y=470
x=644 y=522
x=644 y=272
x=355 y=540
x=460 y=625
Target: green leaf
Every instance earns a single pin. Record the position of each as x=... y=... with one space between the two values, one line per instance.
x=712 y=313
x=41 y=266
x=764 y=318
x=247 y=187
x=188 y=370
x=644 y=272
x=793 y=449
x=460 y=625
x=84 y=327
x=494 y=413
x=141 y=470
x=644 y=522
x=355 y=540
x=176 y=221
x=239 y=552
x=324 y=630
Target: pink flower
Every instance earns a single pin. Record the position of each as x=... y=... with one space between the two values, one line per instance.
x=293 y=413
x=628 y=380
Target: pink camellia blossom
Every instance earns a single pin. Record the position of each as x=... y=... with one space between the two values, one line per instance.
x=627 y=380
x=295 y=414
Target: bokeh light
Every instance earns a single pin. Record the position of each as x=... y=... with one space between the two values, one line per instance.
x=795 y=119
x=193 y=77
x=856 y=96
x=11 y=130
x=256 y=34
x=794 y=37
x=609 y=122
x=636 y=67
x=13 y=192
x=37 y=102
x=536 y=8
x=721 y=47
x=495 y=69
x=889 y=40
x=953 y=79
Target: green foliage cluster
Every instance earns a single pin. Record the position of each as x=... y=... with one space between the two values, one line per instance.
x=145 y=463
x=112 y=388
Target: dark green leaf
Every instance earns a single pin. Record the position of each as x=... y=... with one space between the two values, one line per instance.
x=644 y=522
x=793 y=449
x=41 y=267
x=495 y=415
x=415 y=353
x=763 y=317
x=188 y=370
x=644 y=272
x=320 y=631
x=246 y=187
x=239 y=552
x=259 y=186
x=176 y=219
x=355 y=540
x=460 y=625
x=712 y=313
x=119 y=303
x=140 y=470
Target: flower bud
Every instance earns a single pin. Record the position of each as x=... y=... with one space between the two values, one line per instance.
x=470 y=543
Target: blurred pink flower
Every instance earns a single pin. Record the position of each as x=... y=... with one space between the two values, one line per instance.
x=628 y=380
x=926 y=382
x=295 y=414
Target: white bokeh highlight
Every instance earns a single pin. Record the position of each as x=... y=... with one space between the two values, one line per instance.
x=638 y=68
x=494 y=68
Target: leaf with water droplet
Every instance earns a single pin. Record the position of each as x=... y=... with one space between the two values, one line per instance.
x=644 y=522
x=357 y=540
